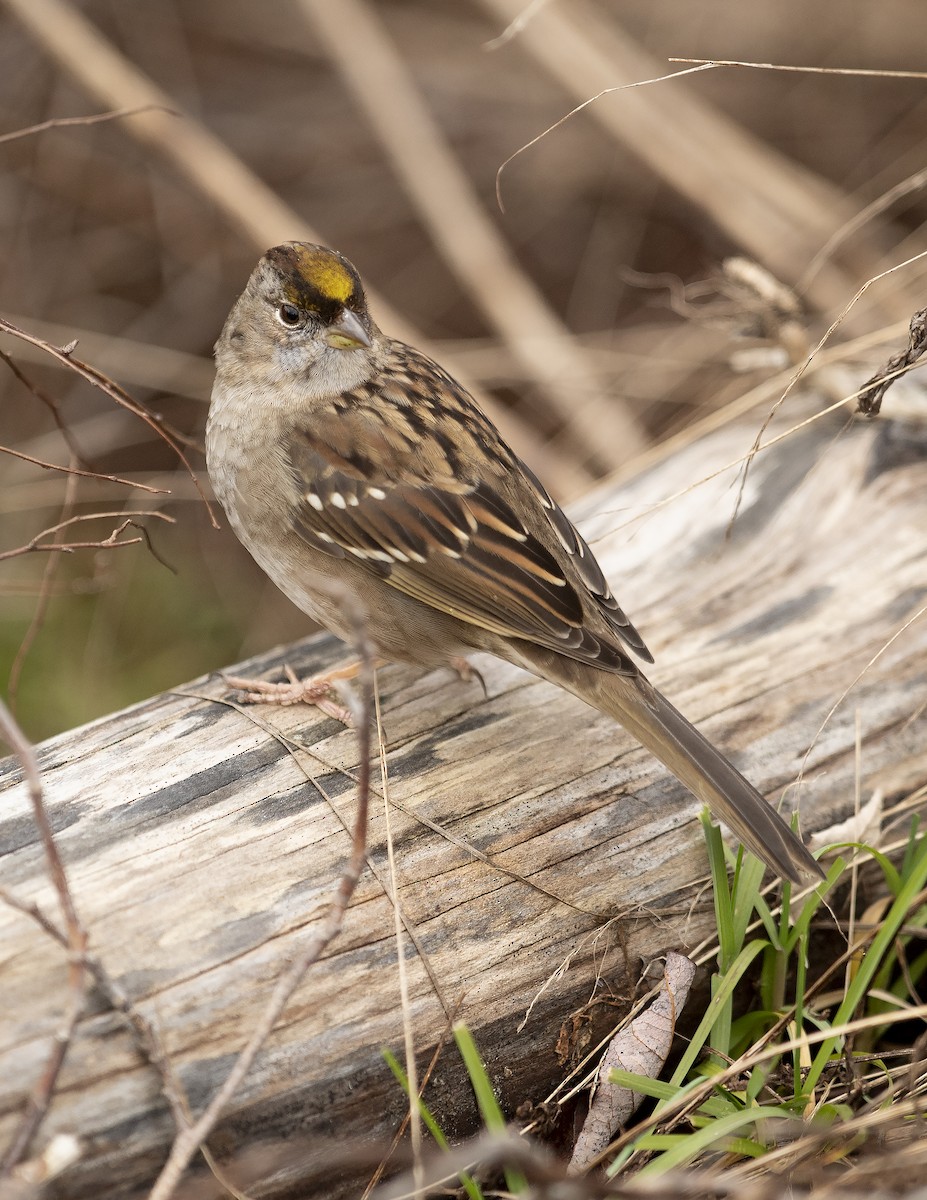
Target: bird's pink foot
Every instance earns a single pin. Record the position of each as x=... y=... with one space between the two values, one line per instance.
x=320 y=691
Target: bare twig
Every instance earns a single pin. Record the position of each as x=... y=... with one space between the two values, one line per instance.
x=92 y=119
x=21 y=747
x=138 y=363
x=76 y=935
x=109 y=543
x=32 y=910
x=51 y=404
x=189 y=1140
x=873 y=391
x=72 y=470
x=146 y=1036
x=98 y=380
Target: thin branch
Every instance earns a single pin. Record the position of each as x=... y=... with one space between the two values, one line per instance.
x=137 y=363
x=98 y=380
x=24 y=751
x=51 y=404
x=93 y=119
x=70 y=470
x=36 y=543
x=146 y=1036
x=76 y=936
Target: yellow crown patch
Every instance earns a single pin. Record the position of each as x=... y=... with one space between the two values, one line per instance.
x=324 y=271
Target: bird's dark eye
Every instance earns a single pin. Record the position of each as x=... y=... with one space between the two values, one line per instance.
x=289 y=315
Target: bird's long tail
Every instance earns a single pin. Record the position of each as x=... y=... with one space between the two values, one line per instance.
x=666 y=733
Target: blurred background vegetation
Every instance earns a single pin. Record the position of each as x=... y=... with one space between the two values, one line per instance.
x=590 y=314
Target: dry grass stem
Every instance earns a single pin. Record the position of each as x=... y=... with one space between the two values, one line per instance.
x=415 y=1112
x=806 y=70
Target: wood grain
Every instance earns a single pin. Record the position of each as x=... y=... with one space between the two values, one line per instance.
x=201 y=850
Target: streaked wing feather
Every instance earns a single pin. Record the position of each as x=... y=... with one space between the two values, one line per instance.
x=452 y=543
x=589 y=570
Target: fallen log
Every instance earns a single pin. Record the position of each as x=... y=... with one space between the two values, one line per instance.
x=541 y=855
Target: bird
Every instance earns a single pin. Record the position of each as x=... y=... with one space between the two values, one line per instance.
x=361 y=476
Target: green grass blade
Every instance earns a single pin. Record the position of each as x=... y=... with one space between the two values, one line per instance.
x=882 y=943
x=724 y=911
x=747 y=882
x=721 y=997
x=678 y=1150
x=467 y=1182
x=486 y=1101
x=427 y=1118
x=714 y=1106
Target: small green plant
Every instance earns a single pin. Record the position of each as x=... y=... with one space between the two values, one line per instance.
x=491 y=1113
x=713 y=1100
x=764 y=1079
x=467 y=1182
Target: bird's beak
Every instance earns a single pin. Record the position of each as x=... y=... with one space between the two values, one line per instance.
x=347 y=333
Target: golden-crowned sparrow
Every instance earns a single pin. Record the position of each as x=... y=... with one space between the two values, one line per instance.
x=350 y=464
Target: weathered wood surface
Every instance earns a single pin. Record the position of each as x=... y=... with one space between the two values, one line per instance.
x=200 y=856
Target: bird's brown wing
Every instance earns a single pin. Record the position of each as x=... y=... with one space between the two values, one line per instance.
x=452 y=542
